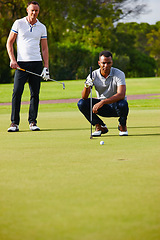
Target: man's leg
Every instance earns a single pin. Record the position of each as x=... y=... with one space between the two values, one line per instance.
x=84 y=107
x=19 y=82
x=122 y=110
x=118 y=109
x=34 y=84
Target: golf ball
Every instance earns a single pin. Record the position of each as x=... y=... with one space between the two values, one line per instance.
x=101 y=143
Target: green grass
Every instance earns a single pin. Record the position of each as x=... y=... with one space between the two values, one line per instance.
x=143 y=85
x=52 y=90
x=58 y=184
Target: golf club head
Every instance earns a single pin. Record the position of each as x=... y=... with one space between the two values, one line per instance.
x=63 y=85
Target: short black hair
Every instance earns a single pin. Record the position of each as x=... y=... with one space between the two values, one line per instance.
x=32 y=2
x=105 y=53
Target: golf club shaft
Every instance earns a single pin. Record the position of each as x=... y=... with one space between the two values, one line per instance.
x=38 y=75
x=91 y=102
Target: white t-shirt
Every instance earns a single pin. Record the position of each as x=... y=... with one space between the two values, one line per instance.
x=107 y=87
x=28 y=39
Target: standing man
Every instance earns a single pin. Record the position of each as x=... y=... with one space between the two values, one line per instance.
x=111 y=100
x=29 y=34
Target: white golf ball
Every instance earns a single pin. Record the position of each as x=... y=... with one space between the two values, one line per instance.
x=101 y=143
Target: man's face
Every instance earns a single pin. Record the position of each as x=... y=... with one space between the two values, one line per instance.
x=105 y=64
x=33 y=11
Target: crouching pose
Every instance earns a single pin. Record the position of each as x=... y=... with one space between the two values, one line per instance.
x=111 y=101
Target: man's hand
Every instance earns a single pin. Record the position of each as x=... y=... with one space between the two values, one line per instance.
x=45 y=74
x=97 y=106
x=14 y=64
x=89 y=82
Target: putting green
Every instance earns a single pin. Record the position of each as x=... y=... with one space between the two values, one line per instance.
x=59 y=184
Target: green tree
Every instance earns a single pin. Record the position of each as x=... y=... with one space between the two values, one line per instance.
x=153 y=46
x=130 y=41
x=78 y=27
x=137 y=32
x=9 y=10
x=89 y=23
x=141 y=65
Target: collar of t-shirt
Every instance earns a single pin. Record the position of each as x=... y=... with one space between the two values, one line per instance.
x=30 y=25
x=110 y=74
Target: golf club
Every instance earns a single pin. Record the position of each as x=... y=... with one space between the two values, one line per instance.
x=91 y=103
x=21 y=69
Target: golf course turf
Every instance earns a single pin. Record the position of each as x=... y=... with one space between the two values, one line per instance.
x=60 y=184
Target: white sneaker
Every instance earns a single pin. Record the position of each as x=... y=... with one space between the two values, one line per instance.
x=34 y=127
x=13 y=128
x=122 y=130
x=100 y=130
x=123 y=133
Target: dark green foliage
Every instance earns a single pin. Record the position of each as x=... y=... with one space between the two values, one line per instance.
x=122 y=62
x=68 y=59
x=72 y=61
x=130 y=44
x=141 y=65
x=79 y=30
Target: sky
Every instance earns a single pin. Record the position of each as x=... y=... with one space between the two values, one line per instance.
x=153 y=15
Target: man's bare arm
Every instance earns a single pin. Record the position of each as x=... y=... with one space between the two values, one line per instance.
x=45 y=53
x=10 y=41
x=121 y=91
x=86 y=92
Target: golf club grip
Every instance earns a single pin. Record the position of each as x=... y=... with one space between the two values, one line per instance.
x=91 y=102
x=91 y=72
x=21 y=69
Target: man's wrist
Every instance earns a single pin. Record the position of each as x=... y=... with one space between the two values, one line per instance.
x=86 y=86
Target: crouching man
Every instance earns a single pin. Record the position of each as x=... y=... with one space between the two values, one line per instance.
x=111 y=101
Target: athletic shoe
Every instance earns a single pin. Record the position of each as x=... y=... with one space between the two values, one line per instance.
x=100 y=130
x=34 y=127
x=122 y=130
x=13 y=128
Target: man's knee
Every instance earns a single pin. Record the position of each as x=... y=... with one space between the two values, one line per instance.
x=81 y=104
x=123 y=106
x=17 y=92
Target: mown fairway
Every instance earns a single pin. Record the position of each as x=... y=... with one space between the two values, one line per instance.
x=58 y=184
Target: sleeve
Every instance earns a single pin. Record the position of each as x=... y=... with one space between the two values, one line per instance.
x=121 y=79
x=44 y=32
x=15 y=27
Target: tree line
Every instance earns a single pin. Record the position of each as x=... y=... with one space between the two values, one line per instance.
x=79 y=30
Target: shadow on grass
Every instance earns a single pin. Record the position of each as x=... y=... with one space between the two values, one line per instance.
x=142 y=135
x=106 y=135
x=134 y=135
x=145 y=127
x=63 y=129
x=54 y=130
x=79 y=129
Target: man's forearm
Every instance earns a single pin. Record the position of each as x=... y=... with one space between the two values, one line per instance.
x=45 y=52
x=10 y=50
x=13 y=62
x=45 y=58
x=115 y=98
x=85 y=92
